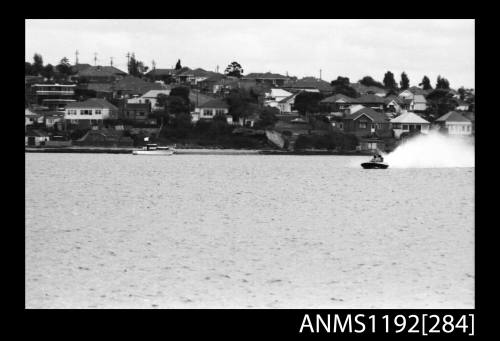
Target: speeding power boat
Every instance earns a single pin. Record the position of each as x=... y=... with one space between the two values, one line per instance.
x=153 y=149
x=377 y=162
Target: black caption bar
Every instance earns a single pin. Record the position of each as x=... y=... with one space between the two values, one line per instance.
x=284 y=323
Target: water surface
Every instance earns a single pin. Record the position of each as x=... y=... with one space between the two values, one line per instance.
x=245 y=231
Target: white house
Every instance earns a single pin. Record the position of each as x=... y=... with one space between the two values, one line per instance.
x=92 y=110
x=286 y=105
x=273 y=97
x=409 y=122
x=419 y=103
x=53 y=118
x=31 y=117
x=455 y=123
x=151 y=97
x=211 y=108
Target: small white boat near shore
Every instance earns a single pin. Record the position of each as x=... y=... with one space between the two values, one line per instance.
x=154 y=149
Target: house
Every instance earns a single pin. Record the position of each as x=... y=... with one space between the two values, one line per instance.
x=392 y=104
x=151 y=97
x=53 y=119
x=367 y=90
x=372 y=101
x=419 y=103
x=193 y=77
x=89 y=112
x=79 y=67
x=309 y=84
x=414 y=99
x=160 y=74
x=99 y=74
x=249 y=121
x=454 y=123
x=218 y=83
x=409 y=122
x=35 y=137
x=209 y=109
x=54 y=96
x=274 y=96
x=136 y=111
x=462 y=106
x=271 y=79
x=198 y=99
x=337 y=103
x=286 y=105
x=131 y=86
x=31 y=118
x=367 y=122
x=472 y=117
x=101 y=90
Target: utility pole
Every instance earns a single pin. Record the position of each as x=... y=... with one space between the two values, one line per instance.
x=319 y=74
x=76 y=57
x=154 y=64
x=95 y=58
x=111 y=62
x=128 y=58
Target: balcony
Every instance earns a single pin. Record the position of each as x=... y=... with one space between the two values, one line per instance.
x=55 y=92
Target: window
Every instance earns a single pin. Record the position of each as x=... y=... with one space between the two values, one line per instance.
x=219 y=112
x=71 y=112
x=405 y=126
x=362 y=125
x=207 y=112
x=85 y=112
x=98 y=112
x=341 y=125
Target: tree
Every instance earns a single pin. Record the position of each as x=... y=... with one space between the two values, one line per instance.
x=342 y=86
x=242 y=103
x=48 y=71
x=461 y=92
x=426 y=83
x=182 y=92
x=440 y=102
x=136 y=68
x=389 y=81
x=405 y=81
x=37 y=65
x=178 y=66
x=64 y=67
x=442 y=83
x=27 y=69
x=234 y=69
x=369 y=81
x=308 y=102
x=267 y=116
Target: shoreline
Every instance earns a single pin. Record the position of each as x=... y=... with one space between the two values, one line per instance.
x=192 y=151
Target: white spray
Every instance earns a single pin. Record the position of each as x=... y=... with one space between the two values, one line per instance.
x=432 y=151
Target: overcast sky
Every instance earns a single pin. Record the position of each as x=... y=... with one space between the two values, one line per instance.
x=352 y=48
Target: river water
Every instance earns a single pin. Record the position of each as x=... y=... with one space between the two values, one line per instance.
x=245 y=231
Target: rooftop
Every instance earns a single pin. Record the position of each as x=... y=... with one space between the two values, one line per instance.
x=375 y=116
x=267 y=75
x=453 y=116
x=97 y=103
x=214 y=103
x=98 y=70
x=409 y=117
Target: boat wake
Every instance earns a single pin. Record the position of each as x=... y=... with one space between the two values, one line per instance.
x=434 y=150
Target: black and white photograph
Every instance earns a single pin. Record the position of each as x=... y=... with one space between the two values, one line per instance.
x=249 y=164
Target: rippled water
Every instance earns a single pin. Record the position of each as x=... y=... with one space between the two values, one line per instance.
x=249 y=231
